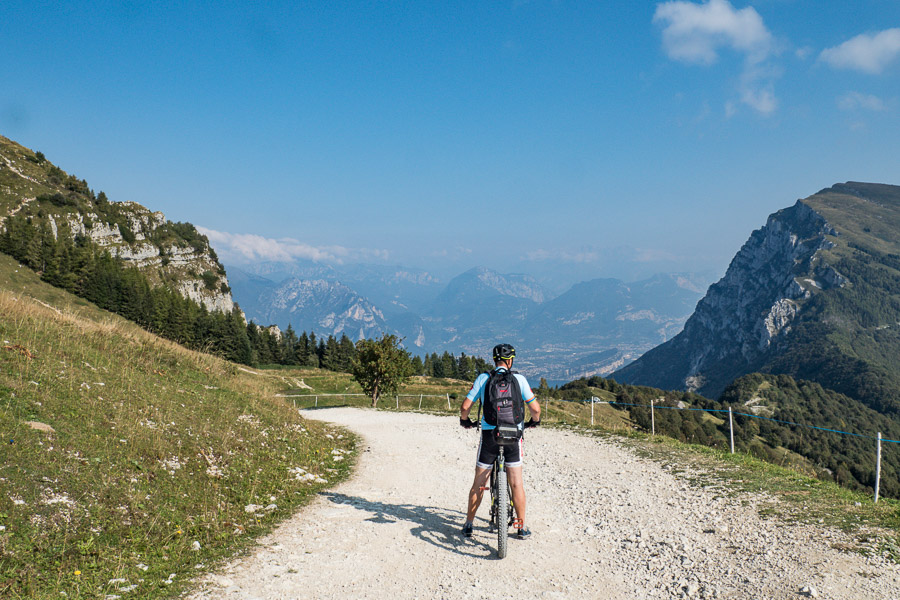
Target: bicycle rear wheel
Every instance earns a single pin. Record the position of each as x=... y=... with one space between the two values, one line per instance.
x=502 y=513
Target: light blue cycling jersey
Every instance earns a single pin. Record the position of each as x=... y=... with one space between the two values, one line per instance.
x=477 y=392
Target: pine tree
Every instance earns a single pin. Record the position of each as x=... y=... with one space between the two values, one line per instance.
x=437 y=365
x=417 y=368
x=312 y=358
x=347 y=352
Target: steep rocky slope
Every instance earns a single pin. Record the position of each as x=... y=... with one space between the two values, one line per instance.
x=815 y=293
x=172 y=254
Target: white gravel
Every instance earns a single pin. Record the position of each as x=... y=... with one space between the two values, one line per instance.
x=606 y=524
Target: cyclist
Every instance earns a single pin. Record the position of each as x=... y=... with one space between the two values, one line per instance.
x=488 y=448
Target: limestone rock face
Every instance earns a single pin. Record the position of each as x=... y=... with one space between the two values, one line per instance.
x=750 y=309
x=175 y=263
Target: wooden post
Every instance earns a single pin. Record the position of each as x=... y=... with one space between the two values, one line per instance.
x=592 y=411
x=420 y=401
x=731 y=428
x=652 y=418
x=448 y=402
x=317 y=401
x=878 y=469
x=398 y=402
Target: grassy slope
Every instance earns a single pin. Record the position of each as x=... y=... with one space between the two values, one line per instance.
x=872 y=221
x=154 y=448
x=13 y=187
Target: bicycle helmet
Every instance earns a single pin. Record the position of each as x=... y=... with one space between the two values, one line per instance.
x=504 y=352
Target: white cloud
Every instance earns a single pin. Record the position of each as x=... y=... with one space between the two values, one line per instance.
x=248 y=247
x=695 y=32
x=804 y=52
x=857 y=101
x=757 y=90
x=581 y=256
x=870 y=53
x=456 y=252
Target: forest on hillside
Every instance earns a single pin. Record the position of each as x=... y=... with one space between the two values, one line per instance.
x=778 y=433
x=81 y=267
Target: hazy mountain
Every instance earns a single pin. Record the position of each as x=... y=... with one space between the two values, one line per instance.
x=813 y=294
x=395 y=289
x=328 y=307
x=593 y=328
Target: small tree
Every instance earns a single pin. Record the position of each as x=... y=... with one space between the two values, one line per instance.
x=381 y=366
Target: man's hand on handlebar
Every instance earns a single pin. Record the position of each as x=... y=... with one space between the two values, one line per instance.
x=531 y=423
x=467 y=423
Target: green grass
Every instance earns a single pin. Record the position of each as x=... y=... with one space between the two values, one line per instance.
x=153 y=448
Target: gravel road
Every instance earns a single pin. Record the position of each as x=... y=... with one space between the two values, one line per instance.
x=606 y=523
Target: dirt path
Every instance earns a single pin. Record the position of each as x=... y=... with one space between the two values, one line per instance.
x=606 y=524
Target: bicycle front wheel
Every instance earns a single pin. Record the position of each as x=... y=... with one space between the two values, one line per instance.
x=502 y=513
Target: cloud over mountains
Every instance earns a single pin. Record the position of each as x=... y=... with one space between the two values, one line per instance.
x=247 y=247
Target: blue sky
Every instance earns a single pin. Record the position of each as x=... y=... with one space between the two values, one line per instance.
x=593 y=138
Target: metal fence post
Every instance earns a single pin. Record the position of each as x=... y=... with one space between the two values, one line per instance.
x=878 y=469
x=592 y=411
x=652 y=417
x=731 y=428
x=448 y=402
x=317 y=401
x=398 y=402
x=420 y=401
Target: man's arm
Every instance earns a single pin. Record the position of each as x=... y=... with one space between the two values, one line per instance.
x=535 y=407
x=465 y=408
x=473 y=395
x=530 y=399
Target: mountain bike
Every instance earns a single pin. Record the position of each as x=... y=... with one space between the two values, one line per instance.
x=501 y=503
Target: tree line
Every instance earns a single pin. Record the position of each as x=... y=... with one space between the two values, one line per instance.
x=846 y=459
x=82 y=267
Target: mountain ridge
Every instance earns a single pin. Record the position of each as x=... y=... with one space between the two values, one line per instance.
x=35 y=192
x=812 y=294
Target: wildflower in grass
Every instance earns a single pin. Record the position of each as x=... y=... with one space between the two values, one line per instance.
x=77 y=573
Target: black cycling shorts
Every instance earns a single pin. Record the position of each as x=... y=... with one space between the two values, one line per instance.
x=488 y=450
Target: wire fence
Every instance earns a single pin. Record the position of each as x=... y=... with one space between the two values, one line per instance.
x=653 y=408
x=419 y=399
x=397 y=397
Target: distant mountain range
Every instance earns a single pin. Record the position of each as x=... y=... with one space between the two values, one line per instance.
x=591 y=328
x=814 y=294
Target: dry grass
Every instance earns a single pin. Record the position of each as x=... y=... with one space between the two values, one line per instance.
x=155 y=454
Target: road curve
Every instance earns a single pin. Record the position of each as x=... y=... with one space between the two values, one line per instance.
x=607 y=525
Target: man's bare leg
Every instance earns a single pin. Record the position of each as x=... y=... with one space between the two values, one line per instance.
x=475 y=494
x=517 y=484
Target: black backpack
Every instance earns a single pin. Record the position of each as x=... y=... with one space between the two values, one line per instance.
x=503 y=406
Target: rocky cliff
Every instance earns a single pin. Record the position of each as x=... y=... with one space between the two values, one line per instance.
x=171 y=254
x=790 y=298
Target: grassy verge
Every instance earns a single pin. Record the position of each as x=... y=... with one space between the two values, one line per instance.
x=129 y=465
